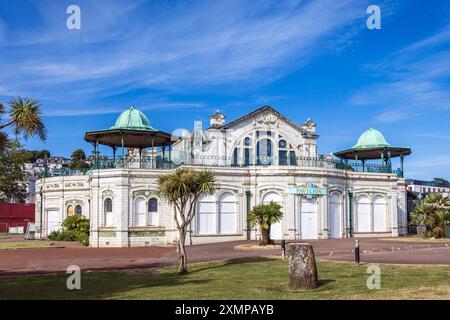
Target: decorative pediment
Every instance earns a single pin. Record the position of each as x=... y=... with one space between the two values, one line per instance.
x=267 y=118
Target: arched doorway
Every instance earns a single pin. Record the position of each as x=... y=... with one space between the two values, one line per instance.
x=379 y=214
x=335 y=216
x=227 y=213
x=206 y=215
x=276 y=230
x=363 y=213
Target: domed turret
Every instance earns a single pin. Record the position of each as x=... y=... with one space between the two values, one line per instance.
x=371 y=138
x=132 y=119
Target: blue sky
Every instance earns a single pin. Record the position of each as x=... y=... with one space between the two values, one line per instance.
x=178 y=61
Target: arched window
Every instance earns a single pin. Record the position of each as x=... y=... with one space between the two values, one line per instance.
x=108 y=212
x=264 y=152
x=78 y=210
x=282 y=153
x=248 y=142
x=227 y=213
x=363 y=213
x=70 y=210
x=153 y=218
x=139 y=212
x=379 y=214
x=335 y=216
x=206 y=215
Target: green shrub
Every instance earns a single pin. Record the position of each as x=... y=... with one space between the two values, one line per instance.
x=75 y=228
x=77 y=223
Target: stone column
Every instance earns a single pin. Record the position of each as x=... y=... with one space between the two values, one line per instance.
x=323 y=213
x=394 y=213
x=302 y=267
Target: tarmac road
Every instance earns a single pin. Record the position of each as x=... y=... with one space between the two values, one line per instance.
x=49 y=260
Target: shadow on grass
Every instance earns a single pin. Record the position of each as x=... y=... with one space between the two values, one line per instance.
x=233 y=261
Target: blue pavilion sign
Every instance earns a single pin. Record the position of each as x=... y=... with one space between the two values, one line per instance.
x=308 y=189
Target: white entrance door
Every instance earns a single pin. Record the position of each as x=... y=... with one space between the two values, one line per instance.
x=54 y=221
x=335 y=216
x=308 y=218
x=276 y=231
x=363 y=213
x=379 y=214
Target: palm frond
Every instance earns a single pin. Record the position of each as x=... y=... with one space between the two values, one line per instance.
x=26 y=116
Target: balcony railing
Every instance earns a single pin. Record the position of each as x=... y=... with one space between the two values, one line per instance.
x=158 y=162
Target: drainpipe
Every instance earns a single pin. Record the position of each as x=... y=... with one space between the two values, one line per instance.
x=350 y=213
x=247 y=195
x=40 y=213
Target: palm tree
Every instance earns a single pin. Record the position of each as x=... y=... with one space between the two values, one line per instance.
x=183 y=188
x=435 y=215
x=25 y=117
x=437 y=200
x=265 y=215
x=78 y=155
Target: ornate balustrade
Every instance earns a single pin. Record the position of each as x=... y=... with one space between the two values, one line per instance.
x=158 y=162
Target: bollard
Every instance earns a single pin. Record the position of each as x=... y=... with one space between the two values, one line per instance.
x=357 y=258
x=283 y=249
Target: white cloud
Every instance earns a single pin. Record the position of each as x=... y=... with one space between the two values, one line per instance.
x=182 y=48
x=415 y=80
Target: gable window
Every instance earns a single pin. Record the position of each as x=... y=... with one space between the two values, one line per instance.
x=248 y=151
x=264 y=152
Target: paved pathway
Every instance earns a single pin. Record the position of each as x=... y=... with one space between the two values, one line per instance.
x=46 y=260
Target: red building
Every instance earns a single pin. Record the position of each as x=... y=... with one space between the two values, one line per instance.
x=15 y=215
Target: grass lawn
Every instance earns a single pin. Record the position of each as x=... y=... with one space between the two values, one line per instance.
x=25 y=244
x=238 y=279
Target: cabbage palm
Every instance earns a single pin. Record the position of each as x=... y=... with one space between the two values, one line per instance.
x=183 y=188
x=24 y=117
x=264 y=215
x=435 y=214
x=437 y=200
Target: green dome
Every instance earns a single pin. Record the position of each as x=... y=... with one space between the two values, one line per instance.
x=370 y=139
x=132 y=119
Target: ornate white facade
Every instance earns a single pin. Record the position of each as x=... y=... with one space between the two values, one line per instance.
x=258 y=158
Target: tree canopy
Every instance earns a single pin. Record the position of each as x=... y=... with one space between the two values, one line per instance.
x=13 y=178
